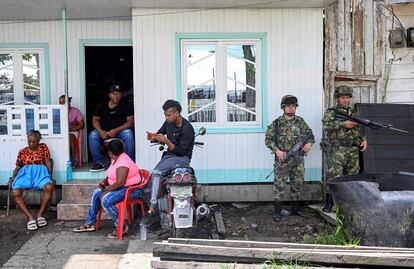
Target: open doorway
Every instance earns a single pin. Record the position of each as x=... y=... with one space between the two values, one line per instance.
x=105 y=66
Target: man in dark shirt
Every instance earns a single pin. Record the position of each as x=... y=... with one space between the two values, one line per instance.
x=177 y=134
x=113 y=118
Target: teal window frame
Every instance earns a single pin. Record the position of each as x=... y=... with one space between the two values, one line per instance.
x=45 y=99
x=179 y=37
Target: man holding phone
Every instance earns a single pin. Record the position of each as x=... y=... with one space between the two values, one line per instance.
x=177 y=134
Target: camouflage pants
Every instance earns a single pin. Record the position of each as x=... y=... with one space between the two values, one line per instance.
x=342 y=161
x=294 y=172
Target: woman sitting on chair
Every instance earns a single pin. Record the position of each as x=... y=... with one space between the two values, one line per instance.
x=33 y=171
x=122 y=173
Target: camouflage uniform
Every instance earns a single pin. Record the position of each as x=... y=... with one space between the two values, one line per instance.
x=342 y=144
x=282 y=134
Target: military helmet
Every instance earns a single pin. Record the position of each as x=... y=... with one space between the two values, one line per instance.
x=343 y=91
x=288 y=100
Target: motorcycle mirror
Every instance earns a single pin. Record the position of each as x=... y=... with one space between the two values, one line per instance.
x=202 y=131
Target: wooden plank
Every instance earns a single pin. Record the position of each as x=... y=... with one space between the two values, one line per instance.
x=358 y=37
x=347 y=36
x=260 y=244
x=341 y=35
x=217 y=253
x=328 y=217
x=255 y=193
x=201 y=265
x=208 y=265
x=369 y=29
x=221 y=229
x=379 y=50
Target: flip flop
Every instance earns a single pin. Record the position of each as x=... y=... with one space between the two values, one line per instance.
x=31 y=225
x=84 y=228
x=41 y=221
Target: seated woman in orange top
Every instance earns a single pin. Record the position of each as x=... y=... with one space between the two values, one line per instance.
x=33 y=171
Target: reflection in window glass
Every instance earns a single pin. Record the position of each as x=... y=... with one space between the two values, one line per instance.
x=31 y=78
x=241 y=83
x=6 y=79
x=201 y=83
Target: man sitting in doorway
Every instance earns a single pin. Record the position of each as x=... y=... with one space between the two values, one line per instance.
x=75 y=124
x=112 y=118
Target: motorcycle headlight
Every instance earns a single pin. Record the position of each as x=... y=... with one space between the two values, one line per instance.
x=186 y=177
x=178 y=177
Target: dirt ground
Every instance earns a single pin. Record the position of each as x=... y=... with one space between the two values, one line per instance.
x=251 y=222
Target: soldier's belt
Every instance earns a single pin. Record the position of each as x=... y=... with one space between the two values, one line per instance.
x=344 y=144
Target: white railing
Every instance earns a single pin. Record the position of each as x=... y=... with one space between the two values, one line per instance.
x=17 y=120
x=50 y=120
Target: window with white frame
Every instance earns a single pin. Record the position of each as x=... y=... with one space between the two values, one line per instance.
x=21 y=76
x=221 y=82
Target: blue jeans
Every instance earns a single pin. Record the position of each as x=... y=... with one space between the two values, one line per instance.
x=167 y=163
x=109 y=202
x=95 y=143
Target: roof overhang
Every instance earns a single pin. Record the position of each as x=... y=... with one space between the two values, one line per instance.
x=17 y=10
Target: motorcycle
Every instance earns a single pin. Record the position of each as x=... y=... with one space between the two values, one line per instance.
x=176 y=205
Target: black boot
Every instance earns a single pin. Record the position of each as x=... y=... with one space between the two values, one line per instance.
x=328 y=203
x=276 y=213
x=296 y=209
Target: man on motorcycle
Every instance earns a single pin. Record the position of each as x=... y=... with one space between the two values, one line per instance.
x=177 y=134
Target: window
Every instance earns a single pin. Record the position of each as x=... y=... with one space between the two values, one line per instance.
x=21 y=76
x=221 y=82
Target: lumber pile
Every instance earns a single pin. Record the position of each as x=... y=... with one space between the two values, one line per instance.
x=211 y=254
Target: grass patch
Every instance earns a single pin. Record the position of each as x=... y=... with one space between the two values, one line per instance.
x=335 y=237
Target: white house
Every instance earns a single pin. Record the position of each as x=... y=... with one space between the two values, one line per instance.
x=228 y=62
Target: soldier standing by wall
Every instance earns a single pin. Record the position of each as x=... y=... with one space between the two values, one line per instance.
x=282 y=134
x=342 y=143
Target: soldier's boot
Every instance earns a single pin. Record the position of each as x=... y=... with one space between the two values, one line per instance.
x=328 y=204
x=296 y=210
x=277 y=216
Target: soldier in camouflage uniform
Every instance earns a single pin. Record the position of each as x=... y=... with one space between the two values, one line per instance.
x=343 y=141
x=281 y=136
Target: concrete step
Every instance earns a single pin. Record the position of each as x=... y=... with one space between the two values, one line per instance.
x=79 y=191
x=76 y=199
x=71 y=211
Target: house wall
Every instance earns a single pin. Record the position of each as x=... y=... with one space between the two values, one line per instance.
x=49 y=35
x=355 y=44
x=294 y=66
x=358 y=53
x=400 y=85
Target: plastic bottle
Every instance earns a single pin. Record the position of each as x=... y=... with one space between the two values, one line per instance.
x=69 y=171
x=143 y=231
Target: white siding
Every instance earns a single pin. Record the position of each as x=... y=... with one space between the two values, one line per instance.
x=51 y=32
x=294 y=66
x=40 y=32
x=89 y=30
x=400 y=87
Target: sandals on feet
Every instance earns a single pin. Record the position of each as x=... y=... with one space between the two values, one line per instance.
x=85 y=228
x=31 y=225
x=114 y=233
x=41 y=221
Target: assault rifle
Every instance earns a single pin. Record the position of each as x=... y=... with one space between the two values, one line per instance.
x=294 y=152
x=369 y=123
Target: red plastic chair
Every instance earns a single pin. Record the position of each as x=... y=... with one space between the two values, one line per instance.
x=126 y=204
x=79 y=148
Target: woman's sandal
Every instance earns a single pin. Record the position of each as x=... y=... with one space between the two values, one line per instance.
x=41 y=221
x=85 y=228
x=31 y=225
